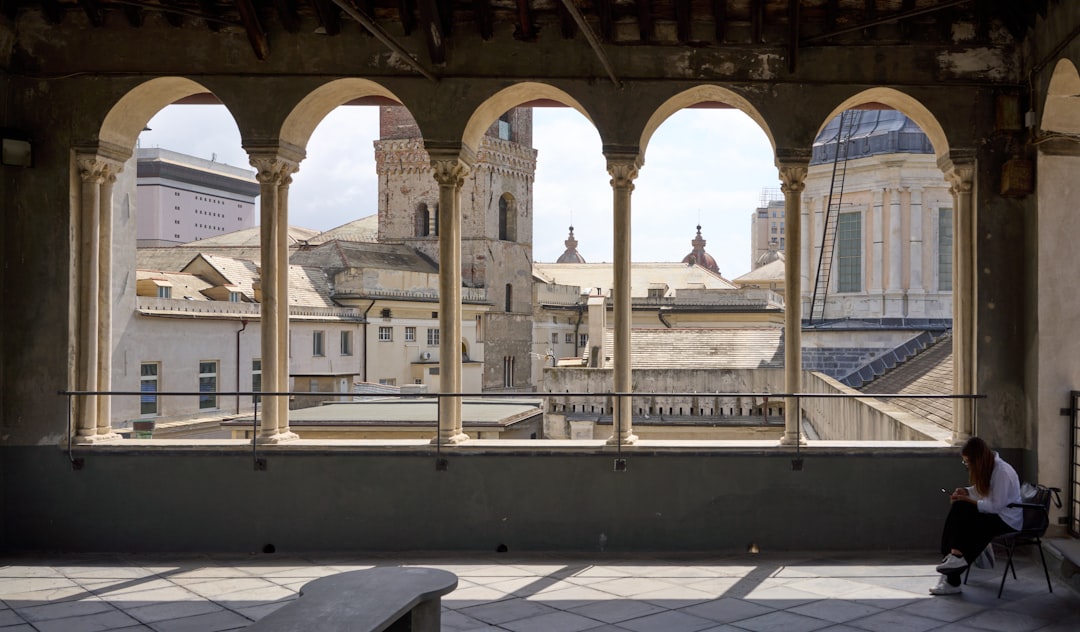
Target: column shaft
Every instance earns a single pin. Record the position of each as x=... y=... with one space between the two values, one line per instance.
x=449 y=172
x=91 y=172
x=105 y=302
x=793 y=177
x=964 y=295
x=281 y=259
x=623 y=170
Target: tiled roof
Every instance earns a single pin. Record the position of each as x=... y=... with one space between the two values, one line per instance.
x=251 y=237
x=309 y=287
x=721 y=348
x=176 y=258
x=340 y=255
x=772 y=272
x=184 y=286
x=241 y=273
x=642 y=276
x=928 y=373
x=365 y=229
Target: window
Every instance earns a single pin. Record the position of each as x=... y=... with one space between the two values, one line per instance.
x=479 y=328
x=507 y=218
x=555 y=338
x=504 y=126
x=164 y=291
x=655 y=292
x=388 y=381
x=508 y=371
x=509 y=298
x=423 y=221
x=207 y=384
x=583 y=340
x=317 y=346
x=148 y=383
x=386 y=334
x=433 y=337
x=256 y=378
x=849 y=252
x=410 y=334
x=346 y=343
x=944 y=247
x=234 y=297
x=569 y=338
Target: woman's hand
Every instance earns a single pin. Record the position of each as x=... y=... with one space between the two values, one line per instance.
x=961 y=493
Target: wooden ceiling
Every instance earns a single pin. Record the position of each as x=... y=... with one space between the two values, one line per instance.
x=793 y=24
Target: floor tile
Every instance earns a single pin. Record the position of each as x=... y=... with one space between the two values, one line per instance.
x=669 y=621
x=782 y=622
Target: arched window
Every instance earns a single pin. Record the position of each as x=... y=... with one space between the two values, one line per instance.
x=423 y=221
x=507 y=218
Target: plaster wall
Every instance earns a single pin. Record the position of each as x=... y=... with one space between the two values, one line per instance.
x=397 y=501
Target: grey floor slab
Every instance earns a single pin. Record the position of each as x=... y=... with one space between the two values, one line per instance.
x=543 y=592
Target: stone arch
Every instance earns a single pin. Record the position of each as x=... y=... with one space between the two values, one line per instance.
x=702 y=94
x=127 y=118
x=494 y=106
x=906 y=104
x=1060 y=111
x=313 y=108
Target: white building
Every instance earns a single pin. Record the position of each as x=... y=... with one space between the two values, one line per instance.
x=182 y=198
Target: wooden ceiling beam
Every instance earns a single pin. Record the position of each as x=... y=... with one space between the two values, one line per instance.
x=287 y=15
x=682 y=20
x=905 y=26
x=486 y=17
x=135 y=15
x=405 y=14
x=525 y=30
x=644 y=18
x=793 y=34
x=607 y=19
x=757 y=21
x=329 y=15
x=434 y=34
x=93 y=11
x=211 y=15
x=174 y=18
x=869 y=15
x=719 y=11
x=255 y=32
x=54 y=13
x=567 y=26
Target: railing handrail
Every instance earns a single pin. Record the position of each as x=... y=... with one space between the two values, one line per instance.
x=537 y=394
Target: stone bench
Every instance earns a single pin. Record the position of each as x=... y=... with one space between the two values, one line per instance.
x=377 y=599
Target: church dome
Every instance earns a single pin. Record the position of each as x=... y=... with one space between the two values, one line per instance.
x=571 y=255
x=698 y=256
x=768 y=257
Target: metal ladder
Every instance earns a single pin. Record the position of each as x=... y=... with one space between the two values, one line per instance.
x=849 y=122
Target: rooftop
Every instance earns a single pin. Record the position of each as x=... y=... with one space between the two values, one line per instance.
x=602 y=592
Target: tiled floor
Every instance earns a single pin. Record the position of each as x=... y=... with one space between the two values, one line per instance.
x=543 y=593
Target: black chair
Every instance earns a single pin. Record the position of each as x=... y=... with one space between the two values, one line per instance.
x=1036 y=507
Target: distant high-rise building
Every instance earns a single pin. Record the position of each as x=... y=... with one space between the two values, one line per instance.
x=766 y=227
x=182 y=198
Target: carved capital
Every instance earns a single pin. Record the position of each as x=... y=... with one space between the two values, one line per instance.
x=97 y=169
x=623 y=172
x=449 y=171
x=273 y=169
x=793 y=177
x=961 y=177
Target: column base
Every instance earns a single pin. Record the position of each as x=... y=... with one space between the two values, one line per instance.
x=451 y=440
x=281 y=437
x=627 y=440
x=788 y=440
x=97 y=438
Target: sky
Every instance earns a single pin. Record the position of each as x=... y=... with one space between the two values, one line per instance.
x=706 y=166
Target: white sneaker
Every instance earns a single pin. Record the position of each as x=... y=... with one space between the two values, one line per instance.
x=944 y=588
x=952 y=564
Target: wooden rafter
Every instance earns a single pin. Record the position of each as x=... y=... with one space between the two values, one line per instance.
x=719 y=10
x=607 y=20
x=645 y=22
x=174 y=18
x=329 y=16
x=567 y=26
x=831 y=10
x=434 y=35
x=757 y=20
x=905 y=25
x=135 y=15
x=525 y=30
x=211 y=14
x=93 y=11
x=8 y=8
x=869 y=15
x=793 y=34
x=407 y=16
x=286 y=11
x=54 y=13
x=486 y=18
x=682 y=20
x=255 y=32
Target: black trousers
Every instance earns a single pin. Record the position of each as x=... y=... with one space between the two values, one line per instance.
x=968 y=530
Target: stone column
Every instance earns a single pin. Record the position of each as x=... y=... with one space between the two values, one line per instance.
x=807 y=248
x=917 y=282
x=274 y=167
x=623 y=168
x=450 y=171
x=960 y=173
x=894 y=293
x=793 y=178
x=92 y=256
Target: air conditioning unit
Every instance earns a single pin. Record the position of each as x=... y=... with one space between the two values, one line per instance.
x=425 y=355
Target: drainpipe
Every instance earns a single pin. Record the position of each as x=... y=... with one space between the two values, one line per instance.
x=660 y=315
x=243 y=323
x=577 y=328
x=363 y=339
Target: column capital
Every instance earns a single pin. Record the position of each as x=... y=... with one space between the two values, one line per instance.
x=793 y=176
x=449 y=170
x=623 y=167
x=959 y=169
x=97 y=168
x=271 y=168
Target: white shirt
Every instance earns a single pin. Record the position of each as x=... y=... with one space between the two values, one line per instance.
x=1004 y=489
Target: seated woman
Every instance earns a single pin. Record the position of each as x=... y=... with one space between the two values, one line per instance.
x=978 y=513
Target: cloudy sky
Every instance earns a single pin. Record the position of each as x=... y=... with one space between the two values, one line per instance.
x=702 y=166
